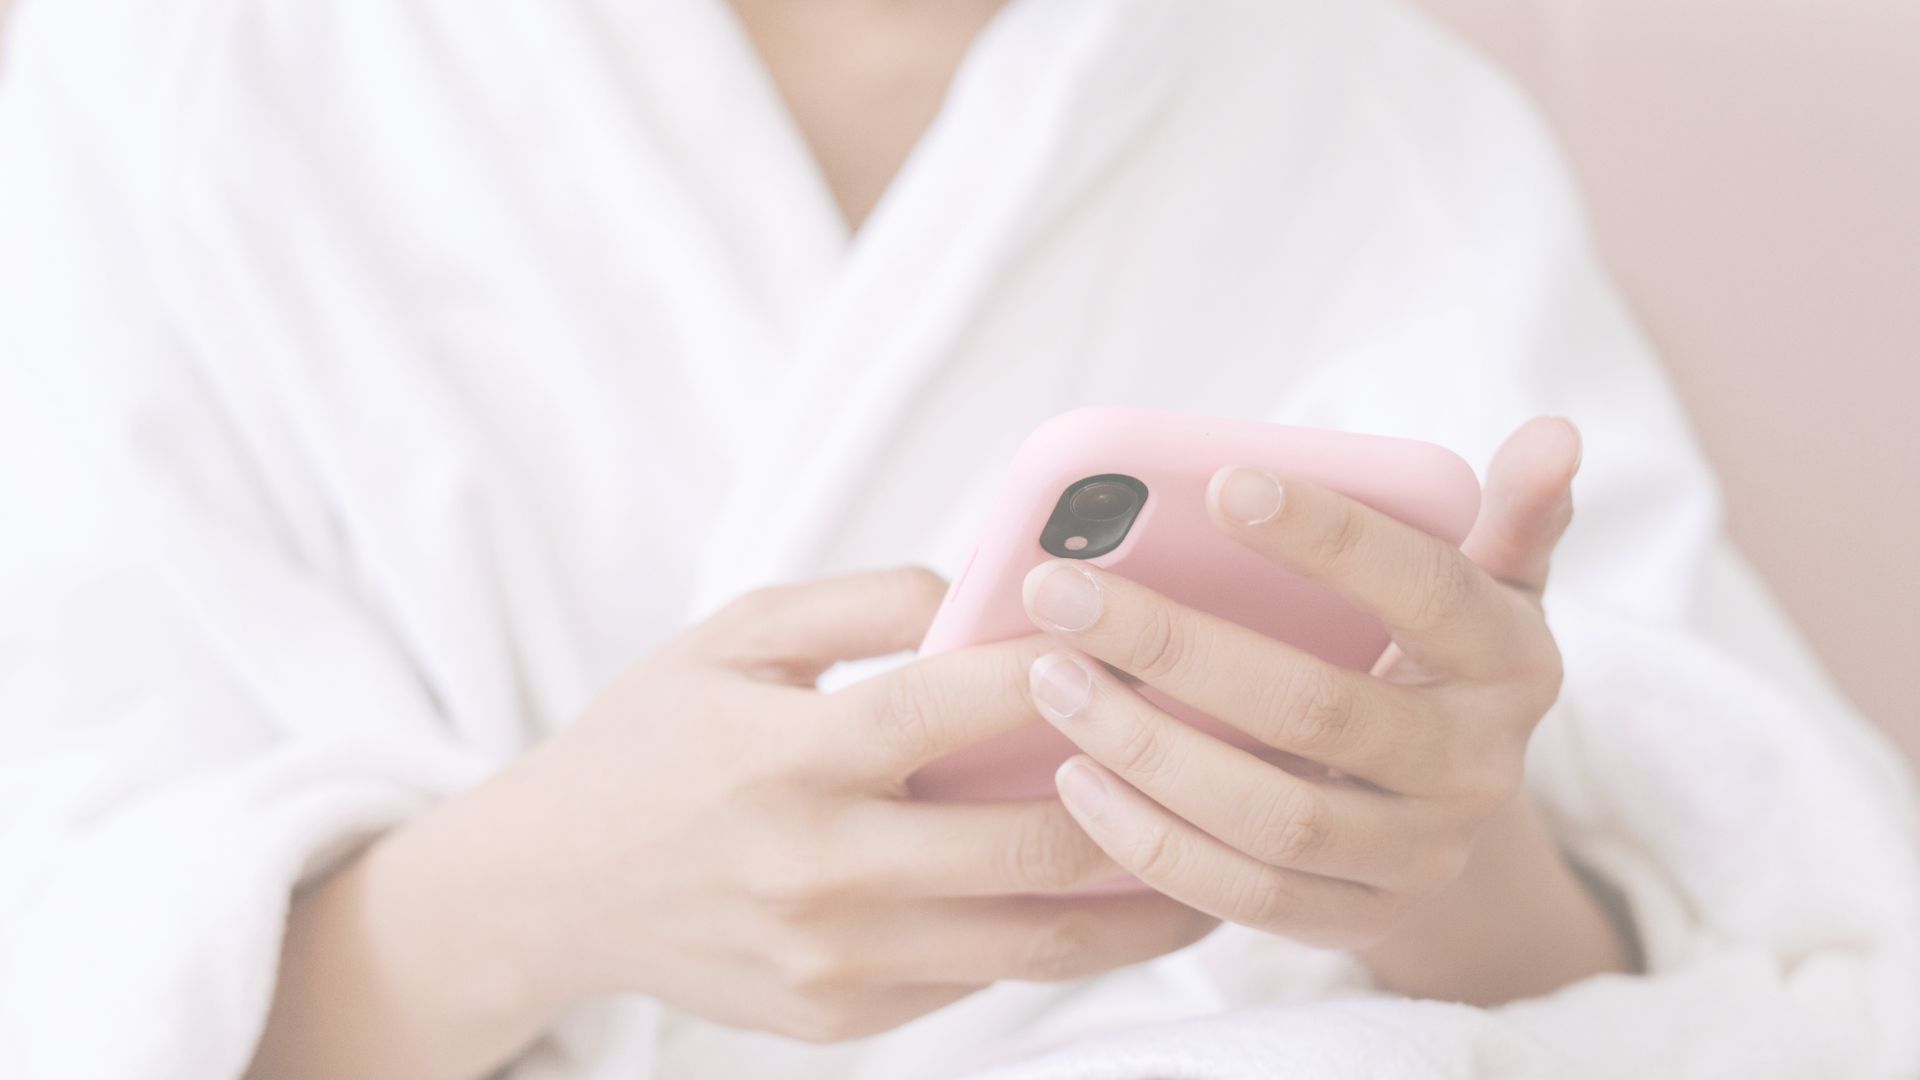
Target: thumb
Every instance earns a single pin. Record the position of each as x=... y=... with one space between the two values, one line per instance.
x=795 y=632
x=1528 y=503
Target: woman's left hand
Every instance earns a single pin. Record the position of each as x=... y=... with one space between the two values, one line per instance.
x=1416 y=756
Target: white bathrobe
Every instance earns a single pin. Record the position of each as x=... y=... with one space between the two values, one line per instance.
x=380 y=376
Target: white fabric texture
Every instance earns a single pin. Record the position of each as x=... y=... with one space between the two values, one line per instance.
x=380 y=378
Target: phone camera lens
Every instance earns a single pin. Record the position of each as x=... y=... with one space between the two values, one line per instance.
x=1103 y=500
x=1093 y=515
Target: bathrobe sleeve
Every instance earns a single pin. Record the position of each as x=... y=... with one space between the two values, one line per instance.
x=194 y=713
x=1758 y=827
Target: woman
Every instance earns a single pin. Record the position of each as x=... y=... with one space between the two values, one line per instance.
x=443 y=380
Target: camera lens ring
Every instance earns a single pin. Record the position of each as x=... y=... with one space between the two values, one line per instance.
x=1093 y=516
x=1103 y=500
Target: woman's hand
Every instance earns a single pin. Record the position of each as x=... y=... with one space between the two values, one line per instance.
x=741 y=847
x=1417 y=757
x=716 y=833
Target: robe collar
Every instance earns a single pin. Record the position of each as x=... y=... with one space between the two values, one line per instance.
x=1047 y=97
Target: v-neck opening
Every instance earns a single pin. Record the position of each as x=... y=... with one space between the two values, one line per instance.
x=1009 y=148
x=803 y=162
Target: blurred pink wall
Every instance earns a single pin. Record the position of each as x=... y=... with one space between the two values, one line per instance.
x=1753 y=170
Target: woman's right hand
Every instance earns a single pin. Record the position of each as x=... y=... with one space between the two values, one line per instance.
x=716 y=833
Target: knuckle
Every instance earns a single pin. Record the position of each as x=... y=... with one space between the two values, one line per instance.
x=897 y=593
x=1160 y=648
x=1549 y=679
x=779 y=882
x=1338 y=535
x=1057 y=951
x=902 y=717
x=1426 y=856
x=753 y=607
x=1504 y=786
x=1440 y=867
x=824 y=1019
x=746 y=604
x=1444 y=592
x=1490 y=787
x=790 y=878
x=1375 y=917
x=1006 y=668
x=756 y=626
x=1556 y=666
x=1145 y=752
x=1319 y=712
x=810 y=968
x=1260 y=899
x=1048 y=857
x=1294 y=830
x=1156 y=854
x=920 y=582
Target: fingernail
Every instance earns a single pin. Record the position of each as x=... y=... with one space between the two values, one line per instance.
x=1064 y=597
x=1251 y=496
x=1061 y=685
x=1082 y=789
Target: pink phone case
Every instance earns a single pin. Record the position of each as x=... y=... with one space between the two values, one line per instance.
x=1175 y=549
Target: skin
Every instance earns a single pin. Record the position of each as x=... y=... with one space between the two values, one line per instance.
x=861 y=79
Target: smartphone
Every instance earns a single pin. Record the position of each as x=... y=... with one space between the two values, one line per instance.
x=1125 y=489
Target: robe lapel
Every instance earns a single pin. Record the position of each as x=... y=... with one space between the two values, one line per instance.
x=1052 y=91
x=707 y=187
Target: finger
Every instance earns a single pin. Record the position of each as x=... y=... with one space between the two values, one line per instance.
x=1339 y=830
x=1186 y=864
x=1030 y=938
x=1439 y=606
x=1280 y=695
x=902 y=719
x=1528 y=503
x=838 y=1012
x=795 y=632
x=926 y=849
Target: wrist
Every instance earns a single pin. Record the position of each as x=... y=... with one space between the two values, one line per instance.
x=1518 y=923
x=405 y=963
x=434 y=916
x=464 y=890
